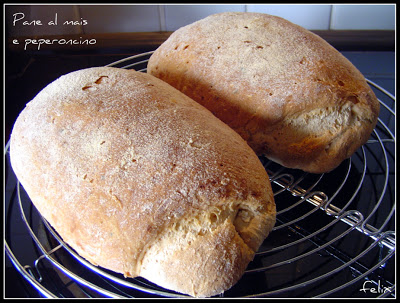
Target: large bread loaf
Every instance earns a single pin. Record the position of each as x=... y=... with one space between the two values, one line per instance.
x=140 y=179
x=285 y=90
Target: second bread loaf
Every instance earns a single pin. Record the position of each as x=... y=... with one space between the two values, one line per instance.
x=286 y=91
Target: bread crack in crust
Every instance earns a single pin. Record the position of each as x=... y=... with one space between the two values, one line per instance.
x=258 y=72
x=140 y=179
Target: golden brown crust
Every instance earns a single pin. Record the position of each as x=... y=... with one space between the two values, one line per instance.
x=265 y=76
x=123 y=166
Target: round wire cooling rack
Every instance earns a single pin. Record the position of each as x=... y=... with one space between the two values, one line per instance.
x=334 y=236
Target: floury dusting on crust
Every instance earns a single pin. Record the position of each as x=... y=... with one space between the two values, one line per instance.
x=262 y=75
x=140 y=179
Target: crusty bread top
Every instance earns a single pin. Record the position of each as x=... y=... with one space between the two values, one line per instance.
x=132 y=174
x=258 y=72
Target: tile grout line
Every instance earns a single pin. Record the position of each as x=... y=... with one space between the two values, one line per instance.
x=330 y=17
x=161 y=14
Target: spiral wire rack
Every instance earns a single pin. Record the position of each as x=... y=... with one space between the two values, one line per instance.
x=334 y=235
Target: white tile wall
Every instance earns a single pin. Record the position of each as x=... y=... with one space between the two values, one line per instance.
x=179 y=15
x=363 y=17
x=305 y=15
x=121 y=18
x=148 y=18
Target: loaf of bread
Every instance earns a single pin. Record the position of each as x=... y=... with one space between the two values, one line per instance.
x=285 y=90
x=142 y=180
